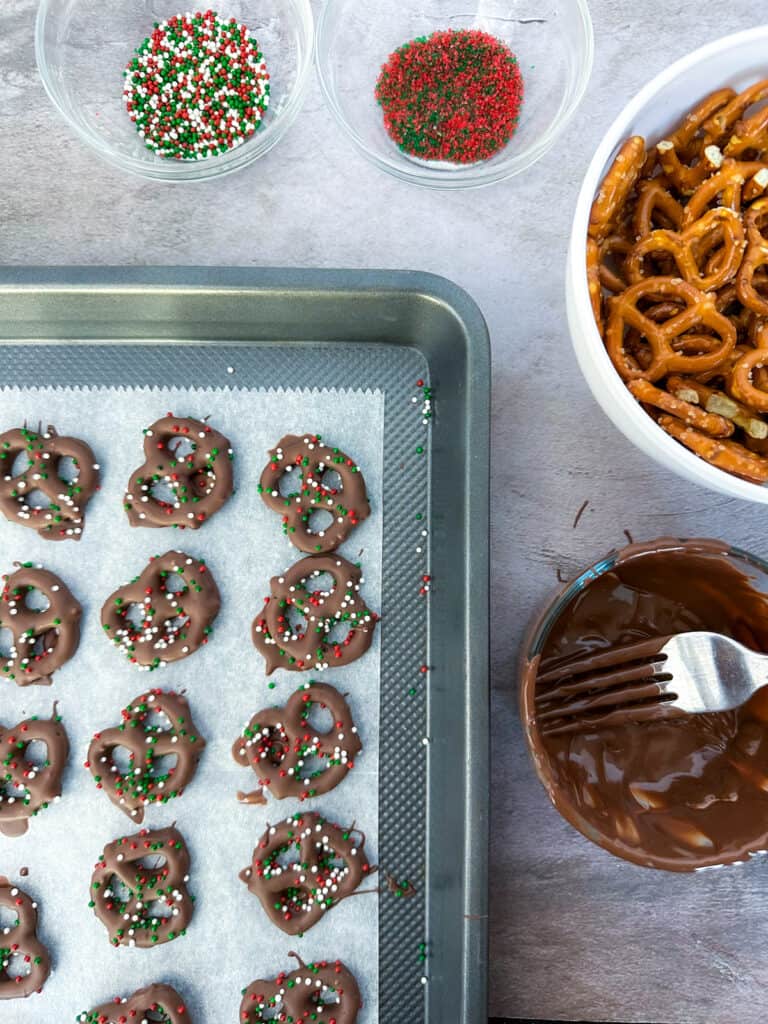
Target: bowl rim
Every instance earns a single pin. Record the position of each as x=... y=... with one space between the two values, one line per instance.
x=531 y=650
x=188 y=171
x=613 y=396
x=479 y=175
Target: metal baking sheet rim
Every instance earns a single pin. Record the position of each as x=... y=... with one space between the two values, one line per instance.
x=345 y=300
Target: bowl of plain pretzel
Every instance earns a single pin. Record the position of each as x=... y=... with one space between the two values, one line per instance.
x=667 y=278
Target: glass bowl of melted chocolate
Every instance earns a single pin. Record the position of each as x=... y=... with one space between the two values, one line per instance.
x=678 y=794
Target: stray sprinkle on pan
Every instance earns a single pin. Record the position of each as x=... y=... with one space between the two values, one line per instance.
x=197 y=87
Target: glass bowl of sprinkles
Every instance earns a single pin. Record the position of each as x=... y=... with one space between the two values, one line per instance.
x=449 y=94
x=176 y=93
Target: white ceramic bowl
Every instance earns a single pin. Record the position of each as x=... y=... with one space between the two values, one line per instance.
x=737 y=61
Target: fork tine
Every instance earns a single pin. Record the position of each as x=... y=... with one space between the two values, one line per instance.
x=619 y=697
x=643 y=650
x=618 y=716
x=603 y=680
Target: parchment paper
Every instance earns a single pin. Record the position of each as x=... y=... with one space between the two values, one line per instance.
x=230 y=941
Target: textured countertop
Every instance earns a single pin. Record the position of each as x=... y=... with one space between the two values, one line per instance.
x=574 y=933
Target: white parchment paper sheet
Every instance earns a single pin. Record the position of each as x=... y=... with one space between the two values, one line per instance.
x=230 y=941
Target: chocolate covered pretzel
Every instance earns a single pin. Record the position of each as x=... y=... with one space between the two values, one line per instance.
x=196 y=482
x=289 y=757
x=305 y=462
x=153 y=623
x=41 y=641
x=24 y=961
x=28 y=787
x=139 y=888
x=156 y=724
x=63 y=518
x=339 y=627
x=303 y=867
x=156 y=1003
x=323 y=991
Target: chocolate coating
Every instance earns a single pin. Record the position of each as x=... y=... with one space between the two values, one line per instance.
x=147 y=740
x=678 y=794
x=319 y=991
x=162 y=1001
x=200 y=482
x=64 y=516
x=325 y=612
x=281 y=746
x=42 y=641
x=156 y=906
x=173 y=623
x=33 y=786
x=21 y=941
x=295 y=895
x=306 y=459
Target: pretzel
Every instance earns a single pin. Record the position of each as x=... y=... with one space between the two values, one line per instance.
x=63 y=518
x=593 y=281
x=687 y=178
x=198 y=482
x=139 y=888
x=715 y=426
x=147 y=739
x=688 y=389
x=28 y=786
x=153 y=1003
x=699 y=312
x=653 y=198
x=278 y=742
x=616 y=186
x=741 y=381
x=296 y=894
x=691 y=128
x=681 y=247
x=326 y=612
x=728 y=183
x=21 y=942
x=41 y=641
x=172 y=623
x=304 y=995
x=719 y=126
x=305 y=460
x=728 y=455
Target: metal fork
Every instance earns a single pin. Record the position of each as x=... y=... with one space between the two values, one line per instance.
x=687 y=674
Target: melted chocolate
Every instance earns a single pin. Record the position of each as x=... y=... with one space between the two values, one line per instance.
x=677 y=794
x=173 y=623
x=156 y=724
x=139 y=888
x=303 y=867
x=42 y=641
x=289 y=757
x=305 y=461
x=320 y=991
x=63 y=518
x=197 y=483
x=29 y=787
x=161 y=1001
x=20 y=943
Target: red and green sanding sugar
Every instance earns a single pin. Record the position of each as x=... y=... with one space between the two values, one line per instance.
x=453 y=96
x=197 y=87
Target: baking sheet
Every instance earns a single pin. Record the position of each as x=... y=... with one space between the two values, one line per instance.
x=230 y=941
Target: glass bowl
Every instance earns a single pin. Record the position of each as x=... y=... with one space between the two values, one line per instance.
x=553 y=43
x=83 y=47
x=734 y=745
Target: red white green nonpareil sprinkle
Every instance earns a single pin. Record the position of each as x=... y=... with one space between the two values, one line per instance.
x=453 y=96
x=197 y=87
